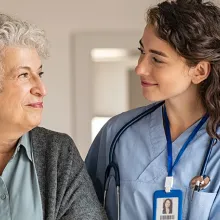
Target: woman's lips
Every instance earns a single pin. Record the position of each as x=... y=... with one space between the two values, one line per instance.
x=36 y=105
x=147 y=84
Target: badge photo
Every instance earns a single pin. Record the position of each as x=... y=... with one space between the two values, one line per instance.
x=167 y=206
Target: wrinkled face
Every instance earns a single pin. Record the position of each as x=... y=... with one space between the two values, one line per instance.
x=163 y=73
x=167 y=203
x=21 y=99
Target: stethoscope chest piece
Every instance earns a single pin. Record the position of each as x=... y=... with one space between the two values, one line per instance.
x=200 y=182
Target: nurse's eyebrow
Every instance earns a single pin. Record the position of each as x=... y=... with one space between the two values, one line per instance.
x=153 y=51
x=158 y=52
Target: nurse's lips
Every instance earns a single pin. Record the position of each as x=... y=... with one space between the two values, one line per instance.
x=147 y=84
x=36 y=105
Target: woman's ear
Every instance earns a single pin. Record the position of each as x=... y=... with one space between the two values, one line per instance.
x=201 y=72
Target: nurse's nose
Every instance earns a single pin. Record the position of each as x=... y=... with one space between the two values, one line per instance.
x=142 y=67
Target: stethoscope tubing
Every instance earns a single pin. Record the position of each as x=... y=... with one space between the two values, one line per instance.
x=207 y=157
x=127 y=125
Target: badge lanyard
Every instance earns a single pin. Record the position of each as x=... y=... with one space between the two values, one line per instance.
x=167 y=204
x=170 y=164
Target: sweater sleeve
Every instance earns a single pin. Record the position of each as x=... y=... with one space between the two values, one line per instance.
x=79 y=201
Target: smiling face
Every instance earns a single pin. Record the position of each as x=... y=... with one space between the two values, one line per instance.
x=163 y=73
x=167 y=203
x=21 y=98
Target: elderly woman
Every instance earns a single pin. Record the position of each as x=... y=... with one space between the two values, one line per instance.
x=42 y=174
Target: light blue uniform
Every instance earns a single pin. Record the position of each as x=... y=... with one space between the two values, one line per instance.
x=141 y=154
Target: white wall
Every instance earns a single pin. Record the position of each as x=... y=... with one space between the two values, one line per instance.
x=61 y=20
x=84 y=71
x=110 y=86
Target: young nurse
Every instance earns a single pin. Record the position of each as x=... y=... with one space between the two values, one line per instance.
x=169 y=150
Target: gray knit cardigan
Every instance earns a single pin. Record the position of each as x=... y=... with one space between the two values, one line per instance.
x=66 y=189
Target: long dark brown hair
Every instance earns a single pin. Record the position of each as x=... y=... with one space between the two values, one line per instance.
x=170 y=207
x=192 y=28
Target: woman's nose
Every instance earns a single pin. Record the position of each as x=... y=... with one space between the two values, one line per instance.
x=142 y=67
x=39 y=88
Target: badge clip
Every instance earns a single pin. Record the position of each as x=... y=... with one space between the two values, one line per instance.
x=168 y=184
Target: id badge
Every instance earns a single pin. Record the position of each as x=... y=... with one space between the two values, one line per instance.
x=167 y=206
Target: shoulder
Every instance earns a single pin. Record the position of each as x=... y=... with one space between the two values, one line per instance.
x=118 y=121
x=46 y=139
x=46 y=133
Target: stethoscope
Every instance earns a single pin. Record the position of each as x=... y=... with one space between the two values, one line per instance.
x=198 y=182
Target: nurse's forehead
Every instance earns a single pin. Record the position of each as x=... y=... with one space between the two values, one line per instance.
x=150 y=42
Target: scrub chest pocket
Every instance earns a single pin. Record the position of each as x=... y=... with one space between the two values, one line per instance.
x=200 y=205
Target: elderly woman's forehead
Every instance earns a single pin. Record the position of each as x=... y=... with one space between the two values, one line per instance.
x=16 y=57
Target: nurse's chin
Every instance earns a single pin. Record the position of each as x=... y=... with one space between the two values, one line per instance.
x=152 y=98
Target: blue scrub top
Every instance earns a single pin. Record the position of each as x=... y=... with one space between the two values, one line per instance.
x=141 y=154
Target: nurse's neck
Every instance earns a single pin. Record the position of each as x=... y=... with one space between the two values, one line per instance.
x=183 y=113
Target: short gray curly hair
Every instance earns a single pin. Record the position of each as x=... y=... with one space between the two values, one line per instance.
x=14 y=32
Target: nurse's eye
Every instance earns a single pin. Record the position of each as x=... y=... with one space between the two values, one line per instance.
x=156 y=60
x=41 y=74
x=141 y=50
x=23 y=75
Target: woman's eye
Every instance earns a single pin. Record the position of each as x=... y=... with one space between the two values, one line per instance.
x=156 y=60
x=23 y=75
x=41 y=74
x=141 y=50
